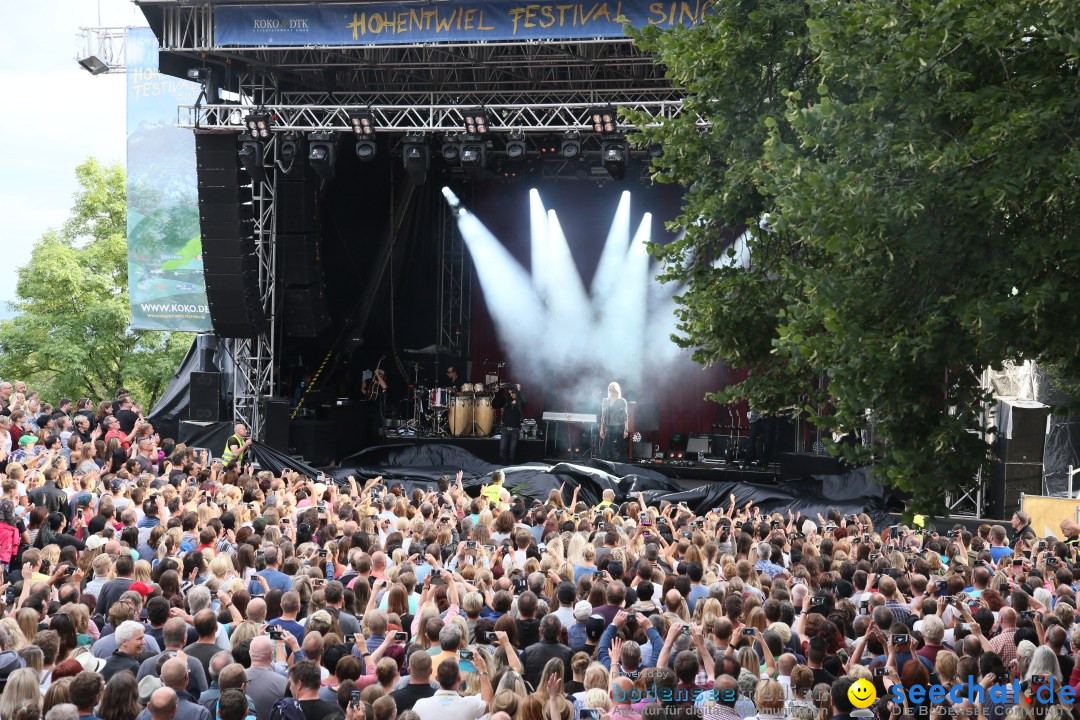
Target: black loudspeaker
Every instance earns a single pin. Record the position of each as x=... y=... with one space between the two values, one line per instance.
x=642 y=450
x=799 y=465
x=226 y=218
x=314 y=440
x=647 y=417
x=1007 y=482
x=296 y=207
x=204 y=396
x=305 y=312
x=301 y=259
x=1021 y=434
x=276 y=424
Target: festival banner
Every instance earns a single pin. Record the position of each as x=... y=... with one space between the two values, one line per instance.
x=165 y=272
x=450 y=21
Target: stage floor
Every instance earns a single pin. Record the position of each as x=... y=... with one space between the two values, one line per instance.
x=487 y=449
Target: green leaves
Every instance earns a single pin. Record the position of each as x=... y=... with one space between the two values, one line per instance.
x=918 y=161
x=70 y=336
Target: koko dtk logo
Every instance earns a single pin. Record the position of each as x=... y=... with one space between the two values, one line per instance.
x=275 y=25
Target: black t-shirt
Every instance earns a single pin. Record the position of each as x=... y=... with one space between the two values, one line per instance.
x=127 y=419
x=407 y=696
x=821 y=675
x=320 y=710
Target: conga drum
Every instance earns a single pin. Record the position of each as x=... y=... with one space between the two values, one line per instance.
x=461 y=415
x=485 y=416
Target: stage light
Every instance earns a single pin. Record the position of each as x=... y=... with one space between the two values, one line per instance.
x=251 y=157
x=94 y=65
x=473 y=155
x=288 y=149
x=604 y=120
x=451 y=152
x=515 y=146
x=366 y=150
x=362 y=122
x=571 y=145
x=258 y=125
x=614 y=154
x=476 y=121
x=416 y=156
x=321 y=154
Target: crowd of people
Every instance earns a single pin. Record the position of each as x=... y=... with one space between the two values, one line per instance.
x=145 y=579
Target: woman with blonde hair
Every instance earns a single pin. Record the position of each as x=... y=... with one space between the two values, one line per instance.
x=549 y=696
x=142 y=572
x=613 y=418
x=23 y=688
x=507 y=701
x=28 y=620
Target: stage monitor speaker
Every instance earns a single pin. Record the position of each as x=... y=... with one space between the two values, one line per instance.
x=1022 y=426
x=314 y=440
x=642 y=450
x=699 y=444
x=1007 y=482
x=305 y=312
x=204 y=396
x=276 y=424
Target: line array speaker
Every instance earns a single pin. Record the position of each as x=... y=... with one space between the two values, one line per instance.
x=304 y=309
x=226 y=217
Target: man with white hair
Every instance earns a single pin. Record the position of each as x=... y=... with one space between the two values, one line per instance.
x=765 y=563
x=198 y=598
x=63 y=711
x=129 y=645
x=933 y=630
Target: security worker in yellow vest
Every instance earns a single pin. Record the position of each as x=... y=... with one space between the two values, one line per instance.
x=494 y=492
x=236 y=446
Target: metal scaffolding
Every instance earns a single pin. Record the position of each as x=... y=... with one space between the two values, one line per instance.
x=533 y=117
x=107 y=45
x=253 y=379
x=455 y=287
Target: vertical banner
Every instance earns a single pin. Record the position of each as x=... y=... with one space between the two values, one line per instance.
x=165 y=270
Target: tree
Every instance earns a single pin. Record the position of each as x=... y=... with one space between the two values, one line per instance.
x=906 y=172
x=71 y=335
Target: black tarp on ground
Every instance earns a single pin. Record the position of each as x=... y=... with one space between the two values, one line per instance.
x=422 y=465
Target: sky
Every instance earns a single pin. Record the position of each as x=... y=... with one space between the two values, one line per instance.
x=43 y=86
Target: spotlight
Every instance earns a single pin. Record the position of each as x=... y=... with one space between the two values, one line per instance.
x=251 y=157
x=288 y=149
x=366 y=150
x=515 y=146
x=362 y=122
x=604 y=120
x=614 y=152
x=451 y=152
x=473 y=155
x=476 y=121
x=571 y=145
x=94 y=65
x=258 y=125
x=453 y=201
x=321 y=154
x=199 y=74
x=416 y=155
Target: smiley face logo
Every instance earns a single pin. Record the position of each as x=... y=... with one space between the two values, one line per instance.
x=862 y=693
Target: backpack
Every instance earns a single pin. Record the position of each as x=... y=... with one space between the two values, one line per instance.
x=9 y=542
x=287 y=708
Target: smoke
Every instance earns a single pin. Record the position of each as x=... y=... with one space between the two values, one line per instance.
x=552 y=328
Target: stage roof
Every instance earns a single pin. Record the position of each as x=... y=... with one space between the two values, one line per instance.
x=449 y=52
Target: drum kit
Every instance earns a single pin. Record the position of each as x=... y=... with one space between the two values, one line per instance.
x=468 y=412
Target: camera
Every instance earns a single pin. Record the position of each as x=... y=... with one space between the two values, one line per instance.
x=1018 y=562
x=577 y=516
x=776 y=525
x=590 y=714
x=646 y=533
x=465 y=655
x=815 y=601
x=489 y=549
x=485 y=637
x=749 y=632
x=1027 y=613
x=953 y=534
x=686 y=630
x=519 y=584
x=401 y=636
x=470 y=544
x=350 y=639
x=646 y=522
x=354 y=698
x=276 y=634
x=322 y=553
x=1051 y=560
x=881 y=671
x=900 y=639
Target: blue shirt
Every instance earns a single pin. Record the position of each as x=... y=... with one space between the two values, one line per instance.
x=291 y=625
x=996 y=553
x=697 y=592
x=276 y=579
